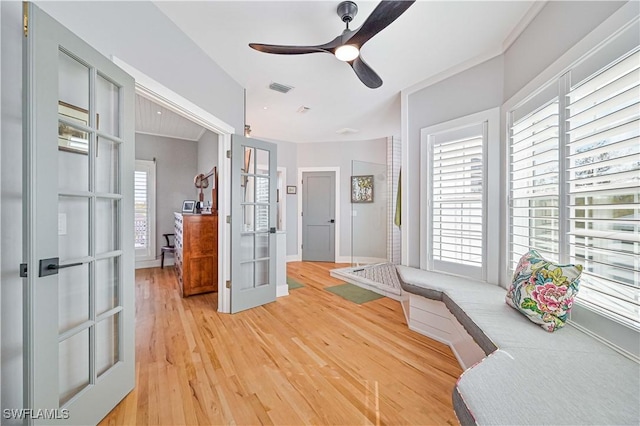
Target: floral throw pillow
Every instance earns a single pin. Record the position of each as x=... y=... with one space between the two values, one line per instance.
x=543 y=291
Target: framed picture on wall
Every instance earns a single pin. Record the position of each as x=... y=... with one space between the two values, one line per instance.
x=362 y=189
x=291 y=189
x=188 y=206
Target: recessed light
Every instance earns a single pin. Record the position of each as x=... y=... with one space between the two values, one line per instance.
x=346 y=131
x=265 y=108
x=159 y=112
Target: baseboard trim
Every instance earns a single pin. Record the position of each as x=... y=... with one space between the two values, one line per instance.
x=282 y=290
x=294 y=258
x=154 y=263
x=360 y=260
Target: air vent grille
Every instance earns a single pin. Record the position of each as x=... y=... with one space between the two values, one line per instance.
x=282 y=88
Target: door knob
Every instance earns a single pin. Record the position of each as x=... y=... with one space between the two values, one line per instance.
x=332 y=221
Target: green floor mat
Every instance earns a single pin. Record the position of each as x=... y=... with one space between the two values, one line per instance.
x=354 y=294
x=293 y=284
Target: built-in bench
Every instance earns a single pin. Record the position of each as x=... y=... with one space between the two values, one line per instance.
x=516 y=372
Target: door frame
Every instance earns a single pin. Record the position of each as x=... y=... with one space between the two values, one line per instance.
x=336 y=170
x=160 y=94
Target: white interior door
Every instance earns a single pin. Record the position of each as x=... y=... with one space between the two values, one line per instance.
x=79 y=294
x=253 y=223
x=318 y=216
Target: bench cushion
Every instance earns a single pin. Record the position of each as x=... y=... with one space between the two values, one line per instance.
x=530 y=376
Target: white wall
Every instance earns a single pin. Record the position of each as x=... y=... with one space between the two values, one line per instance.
x=340 y=154
x=176 y=166
x=207 y=159
x=369 y=220
x=140 y=35
x=287 y=157
x=550 y=35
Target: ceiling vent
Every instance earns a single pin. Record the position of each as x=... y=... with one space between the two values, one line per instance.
x=303 y=109
x=282 y=88
x=347 y=131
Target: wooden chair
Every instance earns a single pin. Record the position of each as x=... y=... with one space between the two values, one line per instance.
x=169 y=248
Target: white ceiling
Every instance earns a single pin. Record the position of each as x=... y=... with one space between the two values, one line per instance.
x=429 y=38
x=153 y=119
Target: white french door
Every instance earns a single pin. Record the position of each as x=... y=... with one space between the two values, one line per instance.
x=253 y=223
x=79 y=249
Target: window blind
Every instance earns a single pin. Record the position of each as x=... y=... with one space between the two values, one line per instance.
x=603 y=137
x=534 y=190
x=457 y=201
x=262 y=209
x=141 y=210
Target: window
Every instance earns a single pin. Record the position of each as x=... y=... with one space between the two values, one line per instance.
x=144 y=209
x=534 y=197
x=575 y=182
x=456 y=180
x=603 y=151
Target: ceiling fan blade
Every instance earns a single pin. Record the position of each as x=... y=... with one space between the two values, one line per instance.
x=365 y=73
x=384 y=14
x=285 y=50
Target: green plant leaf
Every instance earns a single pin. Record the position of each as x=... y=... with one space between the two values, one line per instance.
x=530 y=304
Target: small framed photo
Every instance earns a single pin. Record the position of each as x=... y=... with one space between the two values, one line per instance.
x=362 y=189
x=188 y=206
x=291 y=189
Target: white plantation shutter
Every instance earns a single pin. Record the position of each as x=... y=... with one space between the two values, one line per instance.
x=262 y=196
x=534 y=192
x=457 y=182
x=575 y=193
x=603 y=137
x=141 y=210
x=144 y=209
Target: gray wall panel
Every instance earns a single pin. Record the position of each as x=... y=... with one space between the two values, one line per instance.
x=176 y=166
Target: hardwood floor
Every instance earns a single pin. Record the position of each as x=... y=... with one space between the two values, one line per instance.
x=309 y=358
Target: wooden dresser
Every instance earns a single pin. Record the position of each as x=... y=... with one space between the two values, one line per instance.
x=196 y=264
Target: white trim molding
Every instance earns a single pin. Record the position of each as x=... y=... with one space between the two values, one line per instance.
x=143 y=264
x=490 y=120
x=533 y=11
x=302 y=170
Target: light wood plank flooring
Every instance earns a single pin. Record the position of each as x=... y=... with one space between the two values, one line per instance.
x=309 y=358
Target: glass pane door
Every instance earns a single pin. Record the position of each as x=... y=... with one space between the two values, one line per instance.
x=78 y=216
x=253 y=223
x=89 y=199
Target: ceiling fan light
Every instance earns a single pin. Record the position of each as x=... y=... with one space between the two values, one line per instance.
x=347 y=52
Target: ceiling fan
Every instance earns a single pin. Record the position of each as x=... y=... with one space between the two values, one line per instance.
x=346 y=47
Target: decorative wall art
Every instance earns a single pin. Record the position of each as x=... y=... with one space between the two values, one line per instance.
x=362 y=189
